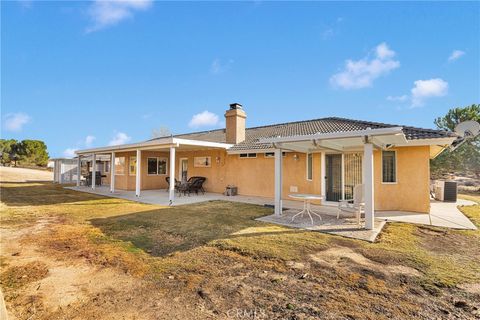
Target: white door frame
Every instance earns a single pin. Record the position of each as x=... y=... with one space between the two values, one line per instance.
x=180 y=167
x=335 y=203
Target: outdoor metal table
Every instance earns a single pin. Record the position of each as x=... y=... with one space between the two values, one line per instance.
x=307 y=198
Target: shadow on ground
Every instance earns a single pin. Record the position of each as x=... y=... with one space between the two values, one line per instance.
x=164 y=231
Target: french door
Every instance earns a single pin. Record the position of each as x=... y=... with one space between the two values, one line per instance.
x=342 y=173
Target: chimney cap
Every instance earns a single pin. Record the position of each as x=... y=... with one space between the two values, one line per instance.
x=234 y=106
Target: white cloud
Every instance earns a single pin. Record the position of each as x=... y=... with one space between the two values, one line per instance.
x=89 y=140
x=384 y=52
x=69 y=152
x=456 y=54
x=218 y=66
x=15 y=121
x=119 y=138
x=398 y=98
x=424 y=89
x=204 y=119
x=361 y=73
x=106 y=13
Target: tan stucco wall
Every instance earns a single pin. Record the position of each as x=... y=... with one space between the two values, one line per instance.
x=255 y=176
x=412 y=190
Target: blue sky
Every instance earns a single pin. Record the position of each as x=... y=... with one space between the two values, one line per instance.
x=85 y=74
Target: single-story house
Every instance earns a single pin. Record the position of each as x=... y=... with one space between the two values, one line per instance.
x=327 y=157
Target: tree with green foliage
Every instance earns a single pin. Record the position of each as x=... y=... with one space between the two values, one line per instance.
x=8 y=149
x=33 y=152
x=26 y=152
x=465 y=158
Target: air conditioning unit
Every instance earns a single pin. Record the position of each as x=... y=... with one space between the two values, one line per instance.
x=446 y=191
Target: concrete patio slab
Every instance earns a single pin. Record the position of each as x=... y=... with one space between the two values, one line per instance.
x=442 y=214
x=345 y=227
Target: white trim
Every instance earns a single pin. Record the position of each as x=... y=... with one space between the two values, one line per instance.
x=138 y=173
x=306 y=162
x=278 y=182
x=342 y=173
x=79 y=170
x=426 y=142
x=396 y=167
x=368 y=183
x=323 y=192
x=112 y=172
x=156 y=167
x=94 y=170
x=165 y=143
x=180 y=167
x=171 y=187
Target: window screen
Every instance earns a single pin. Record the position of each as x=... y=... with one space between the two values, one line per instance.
x=389 y=170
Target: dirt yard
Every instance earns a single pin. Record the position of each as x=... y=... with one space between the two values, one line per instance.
x=71 y=255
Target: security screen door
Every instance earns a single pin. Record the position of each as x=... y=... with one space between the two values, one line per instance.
x=340 y=183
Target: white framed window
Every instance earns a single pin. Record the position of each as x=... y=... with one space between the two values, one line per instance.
x=309 y=166
x=132 y=166
x=247 y=155
x=119 y=166
x=389 y=166
x=272 y=154
x=156 y=166
x=162 y=166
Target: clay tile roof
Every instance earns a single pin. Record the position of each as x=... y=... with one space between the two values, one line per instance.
x=308 y=127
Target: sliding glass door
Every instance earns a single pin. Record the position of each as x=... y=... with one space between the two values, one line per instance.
x=343 y=173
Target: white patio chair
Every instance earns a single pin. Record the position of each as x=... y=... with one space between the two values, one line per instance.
x=356 y=205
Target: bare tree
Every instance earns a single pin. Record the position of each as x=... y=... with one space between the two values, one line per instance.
x=161 y=132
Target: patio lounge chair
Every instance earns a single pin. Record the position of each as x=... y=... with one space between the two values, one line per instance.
x=195 y=184
x=356 y=205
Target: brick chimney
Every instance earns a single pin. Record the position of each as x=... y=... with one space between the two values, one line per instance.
x=235 y=123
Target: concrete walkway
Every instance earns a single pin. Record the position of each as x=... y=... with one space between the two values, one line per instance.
x=442 y=214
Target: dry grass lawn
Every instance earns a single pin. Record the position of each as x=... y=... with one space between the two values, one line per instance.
x=72 y=255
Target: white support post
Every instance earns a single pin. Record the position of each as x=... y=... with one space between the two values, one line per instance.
x=369 y=185
x=171 y=187
x=94 y=170
x=138 y=173
x=112 y=173
x=323 y=192
x=343 y=176
x=278 y=182
x=79 y=169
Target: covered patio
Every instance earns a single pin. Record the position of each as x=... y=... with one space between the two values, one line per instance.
x=338 y=142
x=168 y=145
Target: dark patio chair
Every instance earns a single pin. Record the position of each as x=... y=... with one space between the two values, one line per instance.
x=195 y=184
x=177 y=184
